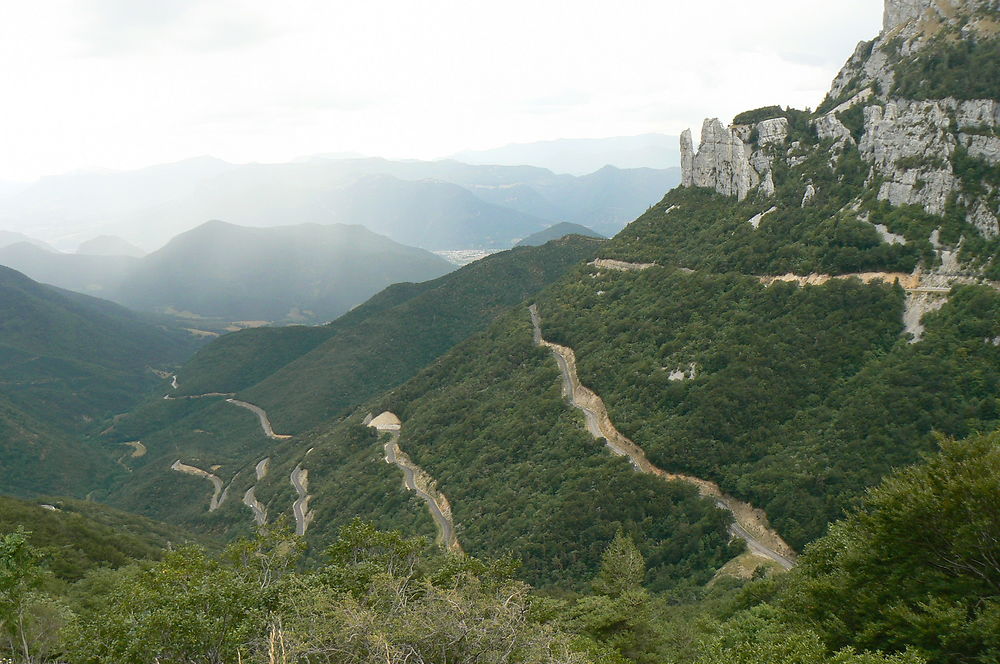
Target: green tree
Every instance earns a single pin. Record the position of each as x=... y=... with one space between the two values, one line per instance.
x=762 y=635
x=191 y=607
x=20 y=574
x=619 y=613
x=918 y=565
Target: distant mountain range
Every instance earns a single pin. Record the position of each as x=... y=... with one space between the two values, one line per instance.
x=442 y=205
x=109 y=245
x=8 y=238
x=555 y=232
x=302 y=273
x=579 y=156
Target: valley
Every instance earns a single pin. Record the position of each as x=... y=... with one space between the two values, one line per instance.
x=746 y=411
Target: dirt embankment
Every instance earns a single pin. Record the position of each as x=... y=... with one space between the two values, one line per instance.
x=300 y=508
x=751 y=523
x=417 y=480
x=620 y=266
x=258 y=509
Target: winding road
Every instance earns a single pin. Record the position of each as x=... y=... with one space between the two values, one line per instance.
x=262 y=467
x=259 y=511
x=218 y=495
x=749 y=524
x=439 y=508
x=303 y=517
x=261 y=414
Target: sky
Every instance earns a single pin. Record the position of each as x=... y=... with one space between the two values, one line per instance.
x=122 y=84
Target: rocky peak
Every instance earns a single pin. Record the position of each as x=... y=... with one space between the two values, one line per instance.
x=733 y=160
x=898 y=12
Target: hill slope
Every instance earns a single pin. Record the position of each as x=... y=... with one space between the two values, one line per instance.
x=807 y=312
x=305 y=377
x=308 y=272
x=75 y=536
x=555 y=232
x=218 y=270
x=725 y=331
x=69 y=360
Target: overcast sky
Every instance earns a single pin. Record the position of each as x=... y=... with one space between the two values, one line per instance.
x=128 y=83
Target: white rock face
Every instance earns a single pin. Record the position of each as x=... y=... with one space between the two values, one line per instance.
x=889 y=237
x=917 y=305
x=868 y=65
x=976 y=113
x=772 y=132
x=690 y=373
x=985 y=221
x=810 y=194
x=898 y=12
x=726 y=160
x=687 y=159
x=830 y=126
x=986 y=148
x=910 y=144
x=722 y=162
x=757 y=218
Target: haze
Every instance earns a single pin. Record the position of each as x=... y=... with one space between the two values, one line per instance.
x=121 y=84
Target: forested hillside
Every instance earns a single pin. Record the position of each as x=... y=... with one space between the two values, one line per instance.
x=70 y=362
x=310 y=377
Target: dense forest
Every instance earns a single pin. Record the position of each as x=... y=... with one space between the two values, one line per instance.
x=918 y=553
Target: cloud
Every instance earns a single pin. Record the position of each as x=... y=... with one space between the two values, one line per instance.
x=112 y=28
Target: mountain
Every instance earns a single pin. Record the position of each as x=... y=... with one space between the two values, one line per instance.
x=303 y=272
x=580 y=156
x=811 y=309
x=308 y=376
x=66 y=205
x=150 y=206
x=555 y=232
x=218 y=270
x=429 y=214
x=605 y=200
x=109 y=245
x=97 y=275
x=8 y=238
x=809 y=326
x=69 y=361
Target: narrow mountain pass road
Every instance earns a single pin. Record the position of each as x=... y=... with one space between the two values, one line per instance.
x=208 y=395
x=259 y=511
x=262 y=467
x=750 y=524
x=300 y=508
x=303 y=517
x=261 y=414
x=218 y=495
x=418 y=481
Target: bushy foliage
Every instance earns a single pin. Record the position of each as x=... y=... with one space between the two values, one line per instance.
x=960 y=68
x=804 y=396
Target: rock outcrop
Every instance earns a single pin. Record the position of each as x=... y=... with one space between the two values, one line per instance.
x=733 y=160
x=721 y=163
x=914 y=148
x=898 y=12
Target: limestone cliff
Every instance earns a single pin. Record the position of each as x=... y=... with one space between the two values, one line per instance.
x=888 y=106
x=727 y=162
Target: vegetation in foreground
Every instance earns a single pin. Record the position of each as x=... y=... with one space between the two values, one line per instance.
x=910 y=577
